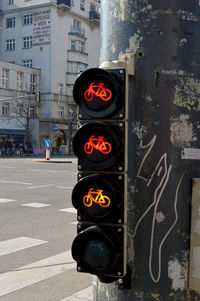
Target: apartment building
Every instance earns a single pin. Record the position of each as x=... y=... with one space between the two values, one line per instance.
x=61 y=39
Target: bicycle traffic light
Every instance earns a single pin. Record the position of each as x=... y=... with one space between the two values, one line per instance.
x=100 y=193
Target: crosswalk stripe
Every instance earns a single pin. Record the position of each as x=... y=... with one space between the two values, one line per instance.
x=42 y=186
x=84 y=295
x=6 y=200
x=70 y=210
x=36 y=205
x=18 y=244
x=35 y=272
x=15 y=182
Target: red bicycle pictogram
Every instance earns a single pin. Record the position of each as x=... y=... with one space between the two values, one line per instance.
x=99 y=91
x=98 y=144
x=102 y=200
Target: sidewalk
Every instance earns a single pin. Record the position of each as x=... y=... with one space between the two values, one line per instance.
x=55 y=159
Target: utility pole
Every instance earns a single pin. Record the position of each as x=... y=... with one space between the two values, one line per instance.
x=163 y=143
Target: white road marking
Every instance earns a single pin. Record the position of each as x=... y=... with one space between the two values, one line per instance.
x=6 y=200
x=23 y=174
x=35 y=272
x=6 y=166
x=70 y=210
x=36 y=205
x=47 y=171
x=65 y=187
x=17 y=244
x=15 y=182
x=41 y=186
x=84 y=295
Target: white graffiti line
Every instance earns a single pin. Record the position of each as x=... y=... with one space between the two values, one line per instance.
x=166 y=235
x=155 y=194
x=157 y=201
x=150 y=145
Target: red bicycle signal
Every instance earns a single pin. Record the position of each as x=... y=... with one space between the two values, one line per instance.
x=99 y=91
x=100 y=145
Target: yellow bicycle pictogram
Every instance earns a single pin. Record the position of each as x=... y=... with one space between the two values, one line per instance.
x=96 y=197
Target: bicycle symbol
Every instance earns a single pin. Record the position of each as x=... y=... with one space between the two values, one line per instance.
x=102 y=200
x=104 y=147
x=99 y=91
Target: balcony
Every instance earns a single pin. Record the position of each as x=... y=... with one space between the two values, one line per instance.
x=77 y=32
x=64 y=4
x=94 y=16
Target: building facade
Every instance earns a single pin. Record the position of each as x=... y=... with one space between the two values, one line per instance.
x=19 y=91
x=61 y=38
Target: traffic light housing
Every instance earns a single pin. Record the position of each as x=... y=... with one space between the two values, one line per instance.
x=99 y=196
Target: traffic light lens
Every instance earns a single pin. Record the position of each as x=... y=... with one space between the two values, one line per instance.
x=99 y=144
x=97 y=254
x=98 y=95
x=96 y=197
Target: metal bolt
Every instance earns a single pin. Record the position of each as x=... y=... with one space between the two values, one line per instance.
x=121 y=115
x=79 y=269
x=79 y=227
x=79 y=218
x=120 y=124
x=121 y=71
x=120 y=168
x=119 y=229
x=119 y=273
x=79 y=176
x=120 y=281
x=79 y=167
x=119 y=221
x=80 y=115
x=120 y=177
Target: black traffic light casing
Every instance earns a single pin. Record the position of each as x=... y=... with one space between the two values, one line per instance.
x=99 y=196
x=100 y=94
x=100 y=146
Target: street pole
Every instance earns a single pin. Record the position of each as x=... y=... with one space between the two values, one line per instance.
x=163 y=147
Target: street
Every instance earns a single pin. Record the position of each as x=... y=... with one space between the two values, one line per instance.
x=38 y=224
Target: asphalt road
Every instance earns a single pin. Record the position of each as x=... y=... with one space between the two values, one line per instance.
x=37 y=226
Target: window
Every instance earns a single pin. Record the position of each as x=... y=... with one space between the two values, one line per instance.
x=81 y=46
x=32 y=82
x=27 y=42
x=10 y=44
x=60 y=89
x=5 y=108
x=73 y=67
x=73 y=45
x=27 y=19
x=61 y=112
x=4 y=79
x=70 y=90
x=20 y=109
x=82 y=5
x=10 y=22
x=77 y=25
x=19 y=81
x=77 y=46
x=32 y=111
x=27 y=63
x=10 y=1
x=82 y=67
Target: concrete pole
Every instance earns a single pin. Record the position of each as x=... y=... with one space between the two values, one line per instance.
x=164 y=127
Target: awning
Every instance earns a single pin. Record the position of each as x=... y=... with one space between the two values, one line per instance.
x=12 y=132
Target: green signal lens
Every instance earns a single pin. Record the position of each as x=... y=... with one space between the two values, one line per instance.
x=96 y=254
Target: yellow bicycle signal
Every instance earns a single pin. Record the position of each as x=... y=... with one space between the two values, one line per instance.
x=96 y=197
